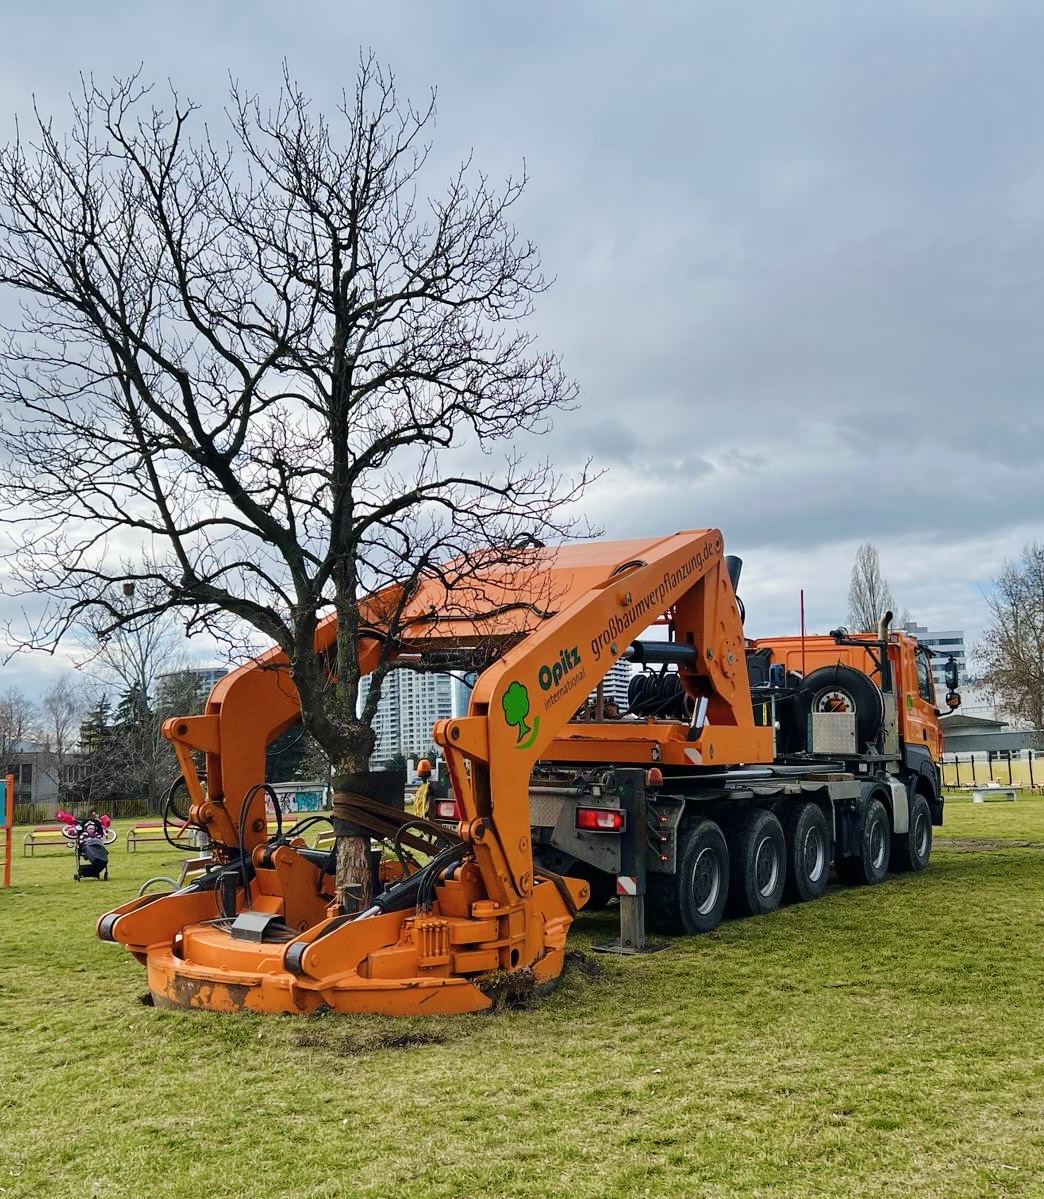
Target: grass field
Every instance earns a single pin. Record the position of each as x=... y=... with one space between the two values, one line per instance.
x=881 y=1042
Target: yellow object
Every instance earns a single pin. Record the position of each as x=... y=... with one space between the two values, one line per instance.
x=419 y=803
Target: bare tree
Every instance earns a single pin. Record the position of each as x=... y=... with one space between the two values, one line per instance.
x=61 y=710
x=17 y=717
x=868 y=594
x=273 y=368
x=132 y=661
x=1012 y=648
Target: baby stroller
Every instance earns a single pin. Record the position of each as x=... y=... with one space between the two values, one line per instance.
x=88 y=838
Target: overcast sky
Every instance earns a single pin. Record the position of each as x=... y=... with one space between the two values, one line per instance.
x=799 y=251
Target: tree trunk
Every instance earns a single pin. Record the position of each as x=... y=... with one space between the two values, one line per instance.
x=354 y=888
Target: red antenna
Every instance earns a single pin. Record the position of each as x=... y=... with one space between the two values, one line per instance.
x=802 y=631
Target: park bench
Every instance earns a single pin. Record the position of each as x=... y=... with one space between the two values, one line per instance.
x=191 y=868
x=983 y=794
x=325 y=839
x=145 y=830
x=44 y=835
x=152 y=830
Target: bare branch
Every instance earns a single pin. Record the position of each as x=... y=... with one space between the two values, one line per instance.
x=265 y=371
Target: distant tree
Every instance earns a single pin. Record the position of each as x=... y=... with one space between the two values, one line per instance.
x=283 y=367
x=17 y=717
x=294 y=756
x=141 y=661
x=136 y=752
x=61 y=710
x=180 y=692
x=99 y=787
x=868 y=594
x=96 y=726
x=1011 y=652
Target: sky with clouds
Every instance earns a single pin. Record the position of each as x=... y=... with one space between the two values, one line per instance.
x=798 y=251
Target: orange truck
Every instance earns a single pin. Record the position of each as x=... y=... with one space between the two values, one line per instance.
x=742 y=771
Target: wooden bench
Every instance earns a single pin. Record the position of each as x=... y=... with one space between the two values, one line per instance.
x=145 y=830
x=152 y=830
x=44 y=835
x=983 y=794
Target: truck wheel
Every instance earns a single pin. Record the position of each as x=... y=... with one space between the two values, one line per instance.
x=807 y=837
x=911 y=850
x=870 y=864
x=693 y=899
x=758 y=864
x=842 y=688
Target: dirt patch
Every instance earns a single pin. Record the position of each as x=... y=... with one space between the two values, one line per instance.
x=358 y=1041
x=509 y=988
x=579 y=963
x=983 y=844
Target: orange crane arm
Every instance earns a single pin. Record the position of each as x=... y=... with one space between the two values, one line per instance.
x=521 y=703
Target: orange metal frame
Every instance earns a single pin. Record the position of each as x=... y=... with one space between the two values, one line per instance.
x=563 y=623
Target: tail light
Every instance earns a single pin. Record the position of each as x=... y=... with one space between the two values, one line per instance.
x=446 y=809
x=600 y=820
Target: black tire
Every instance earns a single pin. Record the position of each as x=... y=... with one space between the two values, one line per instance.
x=692 y=900
x=807 y=837
x=911 y=850
x=870 y=865
x=758 y=863
x=845 y=689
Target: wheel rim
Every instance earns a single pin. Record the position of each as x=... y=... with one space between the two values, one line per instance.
x=837 y=699
x=706 y=881
x=877 y=844
x=814 y=855
x=921 y=835
x=766 y=867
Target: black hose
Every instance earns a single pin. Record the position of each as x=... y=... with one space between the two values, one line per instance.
x=422 y=883
x=171 y=808
x=243 y=811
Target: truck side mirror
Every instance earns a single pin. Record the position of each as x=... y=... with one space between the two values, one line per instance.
x=952 y=679
x=953 y=700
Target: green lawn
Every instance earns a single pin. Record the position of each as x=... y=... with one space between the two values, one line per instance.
x=881 y=1042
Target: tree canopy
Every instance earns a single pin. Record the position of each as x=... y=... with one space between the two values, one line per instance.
x=257 y=379
x=272 y=366
x=868 y=594
x=1011 y=652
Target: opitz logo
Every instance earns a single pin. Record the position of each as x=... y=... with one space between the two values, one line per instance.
x=551 y=676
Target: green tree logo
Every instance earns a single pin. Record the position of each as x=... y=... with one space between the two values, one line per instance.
x=515 y=702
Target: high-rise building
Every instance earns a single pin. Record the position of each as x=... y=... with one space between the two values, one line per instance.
x=460 y=687
x=191 y=682
x=412 y=702
x=409 y=706
x=950 y=641
x=616 y=682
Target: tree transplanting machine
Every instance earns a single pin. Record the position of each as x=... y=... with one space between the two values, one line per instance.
x=761 y=773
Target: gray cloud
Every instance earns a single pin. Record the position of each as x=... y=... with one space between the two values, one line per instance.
x=798 y=248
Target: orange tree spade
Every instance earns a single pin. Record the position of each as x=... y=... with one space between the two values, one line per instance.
x=275 y=370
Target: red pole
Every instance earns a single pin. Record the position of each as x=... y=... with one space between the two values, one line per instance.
x=8 y=822
x=802 y=631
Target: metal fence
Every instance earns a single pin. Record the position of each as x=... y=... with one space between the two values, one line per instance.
x=1010 y=768
x=46 y=811
x=311 y=796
